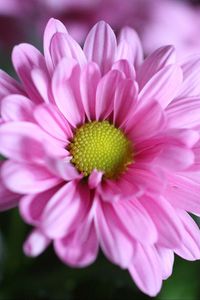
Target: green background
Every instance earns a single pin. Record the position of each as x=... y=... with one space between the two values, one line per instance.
x=46 y=277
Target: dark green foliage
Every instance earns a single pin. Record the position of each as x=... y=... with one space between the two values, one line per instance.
x=47 y=278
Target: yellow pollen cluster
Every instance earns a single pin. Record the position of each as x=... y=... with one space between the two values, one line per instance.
x=100 y=146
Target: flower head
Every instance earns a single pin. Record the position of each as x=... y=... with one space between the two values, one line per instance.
x=104 y=148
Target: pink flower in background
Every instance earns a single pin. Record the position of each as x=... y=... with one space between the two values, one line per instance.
x=12 y=22
x=158 y=22
x=104 y=147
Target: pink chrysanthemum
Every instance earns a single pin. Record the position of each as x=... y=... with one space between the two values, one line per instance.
x=104 y=147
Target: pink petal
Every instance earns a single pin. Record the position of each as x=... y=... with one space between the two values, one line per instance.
x=155 y=62
x=143 y=176
x=170 y=149
x=95 y=179
x=36 y=243
x=151 y=114
x=191 y=80
x=184 y=137
x=42 y=83
x=26 y=58
x=175 y=157
x=32 y=206
x=27 y=178
x=63 y=45
x=190 y=247
x=89 y=79
x=165 y=218
x=105 y=94
x=100 y=46
x=184 y=113
x=146 y=270
x=66 y=90
x=183 y=193
x=147 y=151
x=135 y=220
x=163 y=86
x=65 y=210
x=9 y=85
x=62 y=168
x=124 y=102
x=22 y=141
x=166 y=257
x=129 y=47
x=53 y=122
x=113 y=191
x=52 y=27
x=80 y=247
x=17 y=108
x=112 y=238
x=125 y=67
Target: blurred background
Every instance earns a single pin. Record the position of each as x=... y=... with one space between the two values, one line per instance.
x=158 y=22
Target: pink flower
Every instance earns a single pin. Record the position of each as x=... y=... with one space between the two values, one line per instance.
x=105 y=147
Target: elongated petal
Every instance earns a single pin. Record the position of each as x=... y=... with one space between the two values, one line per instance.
x=191 y=80
x=32 y=206
x=100 y=46
x=184 y=137
x=143 y=177
x=53 y=122
x=166 y=257
x=169 y=227
x=22 y=141
x=36 y=243
x=113 y=191
x=17 y=108
x=146 y=270
x=62 y=168
x=163 y=86
x=175 y=157
x=111 y=235
x=190 y=247
x=52 y=27
x=29 y=179
x=183 y=192
x=95 y=179
x=124 y=102
x=69 y=204
x=25 y=58
x=151 y=114
x=9 y=85
x=89 y=79
x=136 y=221
x=66 y=90
x=129 y=47
x=125 y=67
x=80 y=247
x=184 y=113
x=155 y=62
x=105 y=94
x=41 y=81
x=63 y=45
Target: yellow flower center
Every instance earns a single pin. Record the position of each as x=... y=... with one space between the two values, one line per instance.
x=100 y=146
